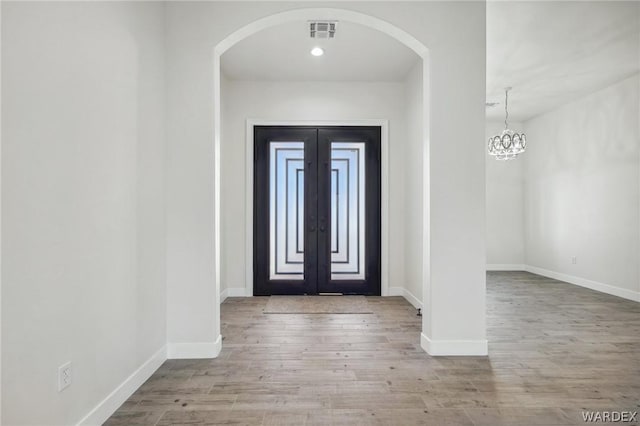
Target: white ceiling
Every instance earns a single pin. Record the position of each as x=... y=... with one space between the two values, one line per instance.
x=549 y=52
x=282 y=53
x=555 y=52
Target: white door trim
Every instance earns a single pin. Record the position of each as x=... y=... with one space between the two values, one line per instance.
x=384 y=190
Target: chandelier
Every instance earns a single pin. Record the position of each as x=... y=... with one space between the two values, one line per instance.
x=509 y=144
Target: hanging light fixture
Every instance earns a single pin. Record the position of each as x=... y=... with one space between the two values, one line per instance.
x=509 y=144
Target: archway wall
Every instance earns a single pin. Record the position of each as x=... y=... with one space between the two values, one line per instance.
x=453 y=179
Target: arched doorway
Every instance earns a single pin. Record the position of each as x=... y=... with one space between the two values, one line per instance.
x=303 y=15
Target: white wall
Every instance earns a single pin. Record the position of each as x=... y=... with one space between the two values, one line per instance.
x=413 y=163
x=505 y=205
x=300 y=101
x=82 y=198
x=582 y=189
x=1 y=32
x=456 y=279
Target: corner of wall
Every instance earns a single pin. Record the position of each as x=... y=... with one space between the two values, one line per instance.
x=454 y=347
x=409 y=297
x=195 y=350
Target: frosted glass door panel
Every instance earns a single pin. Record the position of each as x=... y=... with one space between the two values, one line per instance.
x=286 y=220
x=347 y=211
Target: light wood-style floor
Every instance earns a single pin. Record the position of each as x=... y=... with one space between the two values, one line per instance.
x=555 y=350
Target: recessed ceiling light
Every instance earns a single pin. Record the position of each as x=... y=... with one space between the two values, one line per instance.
x=317 y=51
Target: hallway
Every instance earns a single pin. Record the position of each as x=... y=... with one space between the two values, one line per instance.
x=555 y=350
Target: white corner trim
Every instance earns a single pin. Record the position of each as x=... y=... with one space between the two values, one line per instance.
x=115 y=399
x=505 y=267
x=224 y=294
x=583 y=282
x=401 y=291
x=454 y=347
x=197 y=350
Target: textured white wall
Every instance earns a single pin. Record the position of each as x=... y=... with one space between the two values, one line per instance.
x=83 y=202
x=456 y=162
x=582 y=188
x=413 y=164
x=299 y=101
x=505 y=204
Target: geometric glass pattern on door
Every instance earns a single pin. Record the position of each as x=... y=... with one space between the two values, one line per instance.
x=347 y=211
x=286 y=199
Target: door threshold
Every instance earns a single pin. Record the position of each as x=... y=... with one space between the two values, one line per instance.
x=330 y=294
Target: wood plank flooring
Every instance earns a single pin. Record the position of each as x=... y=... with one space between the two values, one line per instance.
x=555 y=351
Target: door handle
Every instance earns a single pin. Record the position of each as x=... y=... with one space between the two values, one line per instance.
x=322 y=228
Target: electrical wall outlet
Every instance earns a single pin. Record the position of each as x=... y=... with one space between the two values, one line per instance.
x=65 y=376
x=574 y=260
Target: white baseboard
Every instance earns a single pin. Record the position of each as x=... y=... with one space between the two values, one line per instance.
x=196 y=350
x=583 y=282
x=232 y=292
x=454 y=347
x=115 y=399
x=505 y=267
x=237 y=292
x=411 y=298
x=401 y=291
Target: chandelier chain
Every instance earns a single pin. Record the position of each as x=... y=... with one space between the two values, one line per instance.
x=506 y=109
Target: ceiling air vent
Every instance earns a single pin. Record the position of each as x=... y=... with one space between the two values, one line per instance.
x=322 y=29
